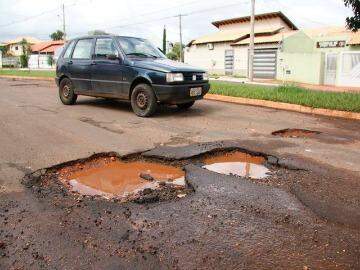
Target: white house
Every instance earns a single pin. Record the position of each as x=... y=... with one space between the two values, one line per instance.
x=226 y=51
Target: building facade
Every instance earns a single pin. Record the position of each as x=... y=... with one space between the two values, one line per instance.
x=282 y=51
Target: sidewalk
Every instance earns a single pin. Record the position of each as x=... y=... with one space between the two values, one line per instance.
x=275 y=83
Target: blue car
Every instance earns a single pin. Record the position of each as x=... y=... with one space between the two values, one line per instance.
x=127 y=68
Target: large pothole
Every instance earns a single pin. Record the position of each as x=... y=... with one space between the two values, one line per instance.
x=237 y=163
x=296 y=133
x=111 y=177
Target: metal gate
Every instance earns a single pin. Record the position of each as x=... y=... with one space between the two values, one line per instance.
x=330 y=69
x=229 y=62
x=350 y=69
x=264 y=65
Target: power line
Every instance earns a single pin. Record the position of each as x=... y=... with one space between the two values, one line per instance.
x=39 y=15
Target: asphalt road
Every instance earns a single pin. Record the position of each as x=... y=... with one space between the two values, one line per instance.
x=37 y=131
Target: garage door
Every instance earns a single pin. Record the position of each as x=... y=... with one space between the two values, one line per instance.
x=265 y=64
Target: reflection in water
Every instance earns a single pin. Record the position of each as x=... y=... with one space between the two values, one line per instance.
x=123 y=178
x=237 y=163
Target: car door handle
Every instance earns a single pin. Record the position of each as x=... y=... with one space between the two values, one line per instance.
x=93 y=63
x=70 y=62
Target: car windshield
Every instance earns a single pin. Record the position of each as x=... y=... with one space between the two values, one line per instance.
x=139 y=47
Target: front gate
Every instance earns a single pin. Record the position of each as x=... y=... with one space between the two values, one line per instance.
x=264 y=64
x=330 y=68
x=350 y=69
x=229 y=62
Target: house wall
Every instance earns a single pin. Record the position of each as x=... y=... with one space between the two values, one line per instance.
x=263 y=23
x=211 y=60
x=301 y=67
x=15 y=49
x=298 y=43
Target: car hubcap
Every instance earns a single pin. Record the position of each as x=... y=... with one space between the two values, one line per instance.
x=66 y=91
x=141 y=100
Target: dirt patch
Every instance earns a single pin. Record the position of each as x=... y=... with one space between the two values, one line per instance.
x=296 y=133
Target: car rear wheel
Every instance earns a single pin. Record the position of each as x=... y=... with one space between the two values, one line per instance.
x=143 y=100
x=185 y=106
x=66 y=92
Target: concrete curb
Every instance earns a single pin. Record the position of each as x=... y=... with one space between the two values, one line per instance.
x=27 y=78
x=284 y=106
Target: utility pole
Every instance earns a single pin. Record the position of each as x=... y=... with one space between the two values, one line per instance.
x=64 y=27
x=181 y=48
x=252 y=37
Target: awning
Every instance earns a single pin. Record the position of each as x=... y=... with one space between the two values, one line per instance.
x=234 y=35
x=266 y=39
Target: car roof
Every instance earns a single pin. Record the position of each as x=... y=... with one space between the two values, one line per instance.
x=103 y=36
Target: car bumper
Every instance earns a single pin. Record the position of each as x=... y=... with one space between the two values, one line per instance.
x=177 y=94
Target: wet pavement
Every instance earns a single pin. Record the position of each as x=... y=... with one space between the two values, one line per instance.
x=305 y=214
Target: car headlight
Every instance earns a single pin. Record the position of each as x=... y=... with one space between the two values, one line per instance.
x=205 y=76
x=174 y=77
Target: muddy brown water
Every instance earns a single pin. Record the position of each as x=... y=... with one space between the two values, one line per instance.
x=237 y=163
x=120 y=178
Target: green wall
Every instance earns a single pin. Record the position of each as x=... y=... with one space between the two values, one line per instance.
x=301 y=67
x=298 y=43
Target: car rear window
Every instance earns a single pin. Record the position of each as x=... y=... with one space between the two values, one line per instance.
x=83 y=49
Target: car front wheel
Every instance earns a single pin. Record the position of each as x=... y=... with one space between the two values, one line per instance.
x=143 y=100
x=66 y=92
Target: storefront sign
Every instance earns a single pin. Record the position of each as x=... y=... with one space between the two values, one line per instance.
x=331 y=44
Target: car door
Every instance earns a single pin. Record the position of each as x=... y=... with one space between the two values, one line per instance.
x=79 y=65
x=107 y=70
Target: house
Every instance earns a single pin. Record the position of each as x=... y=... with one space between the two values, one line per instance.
x=42 y=54
x=226 y=51
x=46 y=47
x=327 y=55
x=14 y=47
x=322 y=56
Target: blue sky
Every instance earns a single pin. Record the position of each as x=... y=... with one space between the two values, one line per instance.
x=38 y=18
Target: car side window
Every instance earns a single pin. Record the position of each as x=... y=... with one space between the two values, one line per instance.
x=69 y=50
x=83 y=49
x=105 y=47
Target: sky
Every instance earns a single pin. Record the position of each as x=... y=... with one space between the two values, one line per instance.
x=144 y=18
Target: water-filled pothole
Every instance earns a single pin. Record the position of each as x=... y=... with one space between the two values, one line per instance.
x=116 y=178
x=237 y=163
x=295 y=133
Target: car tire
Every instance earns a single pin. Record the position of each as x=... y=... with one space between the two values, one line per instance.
x=66 y=92
x=185 y=106
x=143 y=100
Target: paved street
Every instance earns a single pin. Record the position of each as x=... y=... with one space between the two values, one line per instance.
x=37 y=131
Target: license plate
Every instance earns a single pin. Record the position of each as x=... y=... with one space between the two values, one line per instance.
x=196 y=91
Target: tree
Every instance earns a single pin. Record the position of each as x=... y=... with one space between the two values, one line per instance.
x=4 y=49
x=353 y=22
x=164 y=41
x=97 y=32
x=58 y=35
x=174 y=54
x=24 y=58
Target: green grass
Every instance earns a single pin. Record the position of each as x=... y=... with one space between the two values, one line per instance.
x=28 y=73
x=290 y=94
